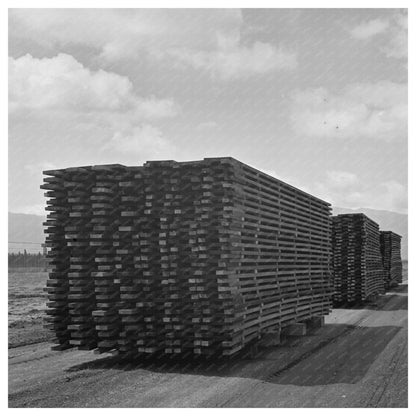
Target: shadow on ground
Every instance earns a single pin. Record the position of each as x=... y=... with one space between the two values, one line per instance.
x=394 y=300
x=399 y=289
x=343 y=354
x=391 y=302
x=346 y=360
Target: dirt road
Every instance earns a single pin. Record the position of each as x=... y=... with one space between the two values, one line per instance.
x=358 y=359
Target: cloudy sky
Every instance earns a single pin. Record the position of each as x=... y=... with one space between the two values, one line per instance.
x=317 y=98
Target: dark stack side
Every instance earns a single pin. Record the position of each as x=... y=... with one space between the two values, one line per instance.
x=284 y=246
x=175 y=258
x=392 y=261
x=57 y=286
x=357 y=264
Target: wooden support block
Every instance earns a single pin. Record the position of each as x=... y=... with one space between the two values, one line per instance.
x=295 y=330
x=316 y=322
x=271 y=339
x=254 y=350
x=373 y=297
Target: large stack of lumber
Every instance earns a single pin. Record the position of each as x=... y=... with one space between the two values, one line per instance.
x=392 y=261
x=357 y=265
x=177 y=257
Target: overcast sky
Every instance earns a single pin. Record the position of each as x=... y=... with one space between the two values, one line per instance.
x=317 y=98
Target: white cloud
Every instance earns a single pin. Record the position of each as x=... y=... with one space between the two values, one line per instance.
x=370 y=28
x=393 y=194
x=237 y=61
x=145 y=141
x=341 y=179
x=394 y=31
x=94 y=100
x=123 y=33
x=345 y=189
x=360 y=111
x=206 y=39
x=38 y=168
x=207 y=125
x=62 y=83
x=397 y=46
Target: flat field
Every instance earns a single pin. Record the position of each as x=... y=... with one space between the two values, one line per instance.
x=27 y=302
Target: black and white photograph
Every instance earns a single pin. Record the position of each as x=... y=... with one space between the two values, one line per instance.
x=207 y=206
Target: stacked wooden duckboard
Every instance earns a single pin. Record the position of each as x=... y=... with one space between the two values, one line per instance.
x=392 y=261
x=357 y=265
x=178 y=257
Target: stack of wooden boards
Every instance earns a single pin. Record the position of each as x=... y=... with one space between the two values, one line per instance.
x=182 y=257
x=392 y=261
x=357 y=265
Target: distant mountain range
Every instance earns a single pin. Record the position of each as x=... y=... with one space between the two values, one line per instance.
x=26 y=231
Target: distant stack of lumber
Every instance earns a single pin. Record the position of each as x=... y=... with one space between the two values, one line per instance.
x=392 y=261
x=182 y=257
x=357 y=265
